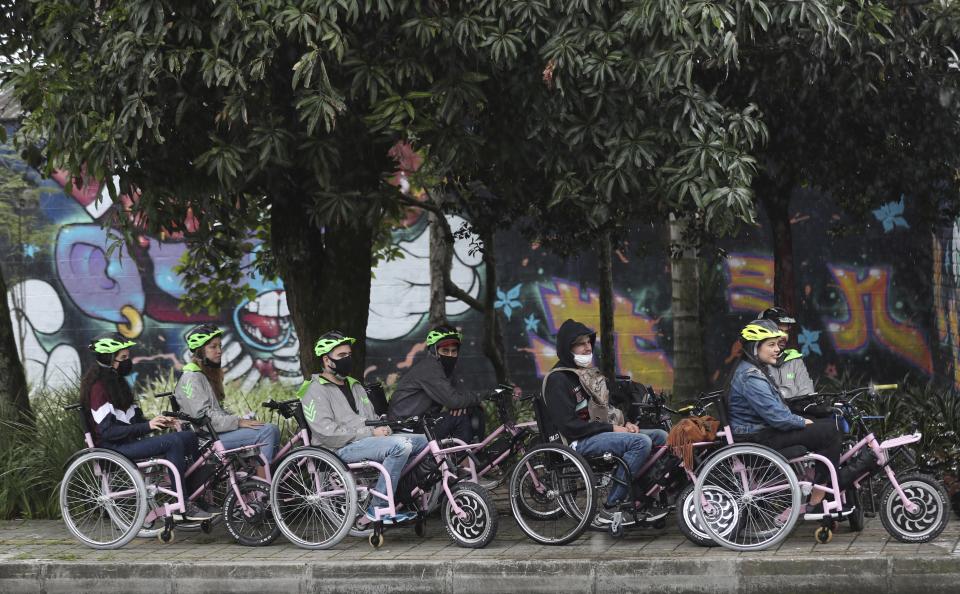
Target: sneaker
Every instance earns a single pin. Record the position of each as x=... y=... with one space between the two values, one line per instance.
x=607 y=515
x=396 y=519
x=193 y=513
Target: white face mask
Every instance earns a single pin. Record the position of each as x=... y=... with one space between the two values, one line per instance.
x=583 y=360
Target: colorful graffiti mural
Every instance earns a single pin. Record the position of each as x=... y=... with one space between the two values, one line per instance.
x=862 y=305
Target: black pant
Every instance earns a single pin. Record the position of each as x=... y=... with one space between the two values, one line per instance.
x=460 y=426
x=174 y=447
x=821 y=438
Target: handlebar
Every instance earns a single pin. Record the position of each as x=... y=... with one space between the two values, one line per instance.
x=162 y=394
x=185 y=417
x=274 y=405
x=882 y=387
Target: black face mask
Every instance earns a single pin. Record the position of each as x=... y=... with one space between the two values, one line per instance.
x=125 y=367
x=342 y=367
x=448 y=363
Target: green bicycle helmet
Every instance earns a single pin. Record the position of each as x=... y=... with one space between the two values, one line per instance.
x=760 y=330
x=108 y=344
x=330 y=341
x=441 y=332
x=201 y=335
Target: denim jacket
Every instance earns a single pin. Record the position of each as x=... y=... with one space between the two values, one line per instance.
x=755 y=403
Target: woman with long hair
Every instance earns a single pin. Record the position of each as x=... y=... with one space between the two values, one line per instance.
x=758 y=413
x=118 y=424
x=200 y=393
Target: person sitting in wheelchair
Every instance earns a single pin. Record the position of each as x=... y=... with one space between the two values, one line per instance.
x=118 y=423
x=577 y=399
x=759 y=414
x=336 y=408
x=790 y=374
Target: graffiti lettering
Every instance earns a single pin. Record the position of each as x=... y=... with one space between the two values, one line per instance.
x=868 y=317
x=635 y=344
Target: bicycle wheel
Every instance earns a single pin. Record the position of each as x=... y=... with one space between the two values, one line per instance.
x=479 y=527
x=103 y=499
x=764 y=489
x=314 y=498
x=255 y=525
x=927 y=520
x=561 y=478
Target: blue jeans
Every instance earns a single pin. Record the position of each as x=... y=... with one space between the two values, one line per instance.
x=173 y=446
x=267 y=434
x=392 y=451
x=634 y=448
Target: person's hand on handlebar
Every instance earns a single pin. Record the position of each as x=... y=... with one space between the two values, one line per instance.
x=456 y=412
x=517 y=392
x=249 y=424
x=383 y=431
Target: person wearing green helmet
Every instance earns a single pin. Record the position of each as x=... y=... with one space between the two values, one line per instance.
x=336 y=408
x=429 y=387
x=758 y=413
x=118 y=424
x=200 y=392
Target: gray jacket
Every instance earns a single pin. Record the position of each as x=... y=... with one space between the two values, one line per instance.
x=196 y=398
x=426 y=387
x=333 y=424
x=790 y=375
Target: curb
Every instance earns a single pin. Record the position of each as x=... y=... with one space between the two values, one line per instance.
x=847 y=575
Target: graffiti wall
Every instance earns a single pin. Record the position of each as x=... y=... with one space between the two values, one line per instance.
x=880 y=303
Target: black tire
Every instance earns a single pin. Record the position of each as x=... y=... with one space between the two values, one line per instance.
x=687 y=519
x=480 y=527
x=258 y=529
x=566 y=480
x=930 y=519
x=856 y=518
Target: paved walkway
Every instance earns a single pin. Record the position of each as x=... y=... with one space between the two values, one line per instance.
x=41 y=556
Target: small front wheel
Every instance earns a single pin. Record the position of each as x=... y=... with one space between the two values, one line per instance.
x=206 y=526
x=479 y=525
x=249 y=518
x=166 y=536
x=929 y=514
x=823 y=535
x=375 y=540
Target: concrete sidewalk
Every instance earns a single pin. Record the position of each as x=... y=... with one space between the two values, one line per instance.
x=40 y=556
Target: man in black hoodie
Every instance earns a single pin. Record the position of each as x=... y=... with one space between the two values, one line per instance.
x=429 y=387
x=577 y=398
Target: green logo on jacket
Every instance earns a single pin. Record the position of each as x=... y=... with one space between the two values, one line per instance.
x=310 y=411
x=188 y=388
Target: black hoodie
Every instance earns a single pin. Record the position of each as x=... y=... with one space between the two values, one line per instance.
x=563 y=391
x=427 y=388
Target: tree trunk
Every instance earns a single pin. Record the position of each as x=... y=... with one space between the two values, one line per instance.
x=13 y=388
x=441 y=260
x=689 y=371
x=608 y=363
x=326 y=275
x=775 y=198
x=492 y=331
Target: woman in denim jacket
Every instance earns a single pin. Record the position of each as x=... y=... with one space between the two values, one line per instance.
x=758 y=413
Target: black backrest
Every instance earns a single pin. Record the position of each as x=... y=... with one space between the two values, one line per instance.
x=377 y=397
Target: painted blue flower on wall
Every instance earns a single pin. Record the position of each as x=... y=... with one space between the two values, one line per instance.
x=531 y=323
x=891 y=215
x=809 y=341
x=508 y=301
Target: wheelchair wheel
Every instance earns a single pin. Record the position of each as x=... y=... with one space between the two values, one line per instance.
x=253 y=526
x=314 y=498
x=480 y=525
x=687 y=519
x=763 y=489
x=562 y=479
x=103 y=499
x=927 y=521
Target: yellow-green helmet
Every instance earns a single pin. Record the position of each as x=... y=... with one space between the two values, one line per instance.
x=108 y=344
x=759 y=330
x=330 y=341
x=201 y=335
x=441 y=332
